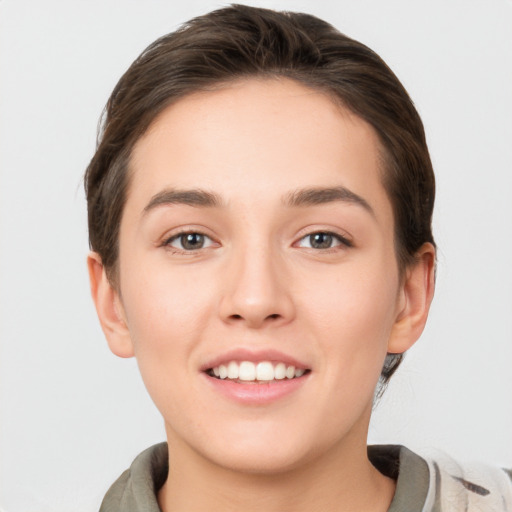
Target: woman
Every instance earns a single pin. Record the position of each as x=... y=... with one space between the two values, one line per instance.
x=260 y=209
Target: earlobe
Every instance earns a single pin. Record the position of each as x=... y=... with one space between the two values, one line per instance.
x=416 y=294
x=109 y=308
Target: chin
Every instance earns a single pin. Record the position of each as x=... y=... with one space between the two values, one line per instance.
x=259 y=461
x=263 y=448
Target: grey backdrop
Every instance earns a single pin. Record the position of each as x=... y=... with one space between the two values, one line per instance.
x=72 y=416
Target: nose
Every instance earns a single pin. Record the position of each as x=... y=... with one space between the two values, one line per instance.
x=257 y=290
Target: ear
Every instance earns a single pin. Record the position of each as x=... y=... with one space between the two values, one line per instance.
x=415 y=297
x=109 y=308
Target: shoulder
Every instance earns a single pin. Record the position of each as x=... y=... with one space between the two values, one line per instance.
x=136 y=489
x=469 y=486
x=438 y=483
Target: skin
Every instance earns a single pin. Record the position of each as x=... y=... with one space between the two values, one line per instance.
x=259 y=283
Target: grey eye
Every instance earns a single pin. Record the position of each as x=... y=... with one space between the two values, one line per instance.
x=320 y=240
x=192 y=241
x=189 y=241
x=323 y=240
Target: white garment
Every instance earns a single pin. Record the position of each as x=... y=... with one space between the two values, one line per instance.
x=473 y=487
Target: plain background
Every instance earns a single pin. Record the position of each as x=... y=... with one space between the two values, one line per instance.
x=72 y=415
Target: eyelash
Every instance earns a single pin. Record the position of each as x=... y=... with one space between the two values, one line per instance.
x=341 y=241
x=179 y=236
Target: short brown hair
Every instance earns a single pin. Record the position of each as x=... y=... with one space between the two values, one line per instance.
x=241 y=41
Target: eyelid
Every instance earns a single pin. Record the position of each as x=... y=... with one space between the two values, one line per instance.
x=343 y=239
x=186 y=230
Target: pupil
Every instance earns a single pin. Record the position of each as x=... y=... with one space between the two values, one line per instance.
x=192 y=241
x=320 y=240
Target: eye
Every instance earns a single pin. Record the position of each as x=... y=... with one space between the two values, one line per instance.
x=190 y=241
x=323 y=240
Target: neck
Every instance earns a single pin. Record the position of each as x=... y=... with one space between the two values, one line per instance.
x=341 y=480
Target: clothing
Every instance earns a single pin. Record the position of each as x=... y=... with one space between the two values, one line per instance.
x=422 y=485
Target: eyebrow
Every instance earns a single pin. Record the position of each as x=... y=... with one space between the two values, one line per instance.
x=322 y=195
x=298 y=198
x=193 y=197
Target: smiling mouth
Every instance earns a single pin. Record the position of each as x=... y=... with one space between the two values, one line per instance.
x=249 y=372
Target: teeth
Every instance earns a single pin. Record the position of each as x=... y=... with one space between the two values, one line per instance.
x=290 y=372
x=263 y=371
x=233 y=370
x=247 y=370
x=280 y=371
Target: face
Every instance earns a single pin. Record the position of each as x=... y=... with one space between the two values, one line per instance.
x=257 y=241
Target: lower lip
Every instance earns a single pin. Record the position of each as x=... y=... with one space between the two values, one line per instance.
x=256 y=393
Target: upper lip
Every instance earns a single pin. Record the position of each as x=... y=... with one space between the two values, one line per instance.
x=253 y=355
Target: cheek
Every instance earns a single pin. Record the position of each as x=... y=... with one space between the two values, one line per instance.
x=166 y=309
x=167 y=314
x=354 y=313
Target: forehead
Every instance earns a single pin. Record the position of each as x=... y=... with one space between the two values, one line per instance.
x=257 y=137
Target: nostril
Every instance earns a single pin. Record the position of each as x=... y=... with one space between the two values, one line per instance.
x=274 y=316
